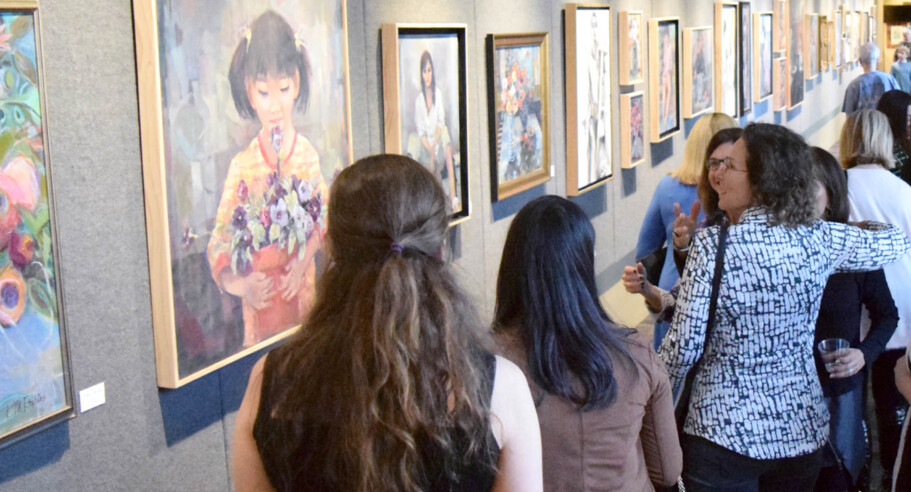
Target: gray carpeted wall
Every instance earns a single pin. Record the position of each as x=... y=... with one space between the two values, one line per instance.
x=144 y=438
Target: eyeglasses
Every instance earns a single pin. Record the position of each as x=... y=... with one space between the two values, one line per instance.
x=726 y=164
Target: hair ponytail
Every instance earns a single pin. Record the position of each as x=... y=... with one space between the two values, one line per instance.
x=392 y=339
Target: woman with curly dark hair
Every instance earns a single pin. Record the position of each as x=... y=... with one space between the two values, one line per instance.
x=387 y=386
x=756 y=418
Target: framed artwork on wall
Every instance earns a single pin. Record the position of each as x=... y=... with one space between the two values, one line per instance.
x=780 y=23
x=632 y=129
x=236 y=186
x=745 y=33
x=588 y=98
x=830 y=31
x=848 y=36
x=36 y=389
x=664 y=77
x=871 y=27
x=631 y=47
x=762 y=56
x=896 y=35
x=518 y=69
x=697 y=71
x=811 y=51
x=858 y=23
x=726 y=70
x=780 y=82
x=838 y=42
x=796 y=53
x=823 y=43
x=425 y=101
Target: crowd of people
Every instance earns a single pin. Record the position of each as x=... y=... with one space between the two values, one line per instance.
x=772 y=251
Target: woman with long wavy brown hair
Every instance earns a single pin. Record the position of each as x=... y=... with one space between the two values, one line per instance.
x=387 y=385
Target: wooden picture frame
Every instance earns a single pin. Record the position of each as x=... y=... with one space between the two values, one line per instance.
x=632 y=129
x=726 y=68
x=698 y=56
x=631 y=47
x=36 y=387
x=664 y=78
x=589 y=150
x=780 y=83
x=824 y=46
x=832 y=42
x=780 y=26
x=408 y=124
x=248 y=163
x=811 y=48
x=795 y=55
x=521 y=106
x=762 y=55
x=745 y=47
x=838 y=43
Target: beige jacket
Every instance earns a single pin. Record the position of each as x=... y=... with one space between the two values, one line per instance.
x=627 y=446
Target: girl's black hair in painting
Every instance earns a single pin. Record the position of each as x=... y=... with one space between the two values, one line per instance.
x=268 y=48
x=425 y=59
x=546 y=290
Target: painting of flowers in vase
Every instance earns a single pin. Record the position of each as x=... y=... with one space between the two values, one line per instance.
x=518 y=126
x=35 y=389
x=245 y=123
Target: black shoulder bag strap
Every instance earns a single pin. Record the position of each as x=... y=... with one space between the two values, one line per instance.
x=683 y=400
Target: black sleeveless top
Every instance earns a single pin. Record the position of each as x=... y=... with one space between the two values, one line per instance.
x=296 y=472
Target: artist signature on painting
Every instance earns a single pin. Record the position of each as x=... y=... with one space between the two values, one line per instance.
x=20 y=404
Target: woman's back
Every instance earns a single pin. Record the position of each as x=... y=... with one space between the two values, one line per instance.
x=627 y=445
x=301 y=471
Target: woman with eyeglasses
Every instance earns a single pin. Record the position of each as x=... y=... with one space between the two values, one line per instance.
x=660 y=300
x=756 y=418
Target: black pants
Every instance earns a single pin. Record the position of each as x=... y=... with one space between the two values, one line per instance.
x=708 y=466
x=890 y=408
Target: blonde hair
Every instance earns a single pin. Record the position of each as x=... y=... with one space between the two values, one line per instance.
x=690 y=169
x=866 y=139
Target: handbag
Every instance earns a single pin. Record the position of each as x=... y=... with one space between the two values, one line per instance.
x=683 y=398
x=653 y=264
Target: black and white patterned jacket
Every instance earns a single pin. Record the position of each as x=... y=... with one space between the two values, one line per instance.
x=757 y=392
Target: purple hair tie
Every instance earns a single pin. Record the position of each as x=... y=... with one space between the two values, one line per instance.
x=396 y=247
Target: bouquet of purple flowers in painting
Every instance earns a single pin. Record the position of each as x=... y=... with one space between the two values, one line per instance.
x=287 y=215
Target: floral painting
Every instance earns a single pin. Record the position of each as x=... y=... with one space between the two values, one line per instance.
x=519 y=83
x=253 y=98
x=34 y=381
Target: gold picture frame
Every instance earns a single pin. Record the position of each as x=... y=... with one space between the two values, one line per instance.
x=187 y=297
x=631 y=47
x=518 y=112
x=698 y=72
x=589 y=156
x=632 y=129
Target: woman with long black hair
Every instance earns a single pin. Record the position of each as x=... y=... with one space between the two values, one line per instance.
x=602 y=395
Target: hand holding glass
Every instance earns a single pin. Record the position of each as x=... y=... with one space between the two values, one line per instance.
x=831 y=349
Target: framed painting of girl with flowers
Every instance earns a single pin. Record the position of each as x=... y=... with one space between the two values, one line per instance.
x=36 y=390
x=245 y=121
x=425 y=98
x=517 y=93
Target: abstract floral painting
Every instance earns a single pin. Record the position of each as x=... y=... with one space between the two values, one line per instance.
x=35 y=386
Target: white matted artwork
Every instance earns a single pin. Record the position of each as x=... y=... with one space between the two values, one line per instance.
x=588 y=97
x=762 y=56
x=726 y=58
x=697 y=71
